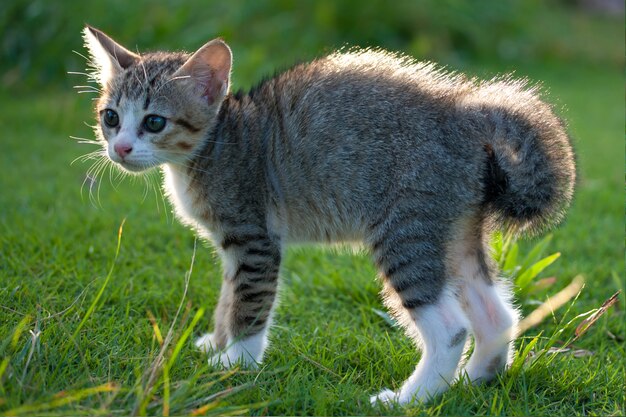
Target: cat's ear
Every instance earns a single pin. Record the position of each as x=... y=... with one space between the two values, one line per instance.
x=107 y=56
x=209 y=70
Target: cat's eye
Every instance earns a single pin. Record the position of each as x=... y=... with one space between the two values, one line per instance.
x=153 y=123
x=111 y=119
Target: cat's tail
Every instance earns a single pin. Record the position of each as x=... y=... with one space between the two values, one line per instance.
x=530 y=170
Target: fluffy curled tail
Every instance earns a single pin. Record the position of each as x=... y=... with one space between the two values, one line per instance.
x=530 y=170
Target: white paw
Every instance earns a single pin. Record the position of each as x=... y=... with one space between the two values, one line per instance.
x=247 y=352
x=385 y=397
x=207 y=343
x=482 y=370
x=232 y=357
x=221 y=358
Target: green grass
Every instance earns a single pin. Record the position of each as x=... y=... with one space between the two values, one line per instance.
x=77 y=322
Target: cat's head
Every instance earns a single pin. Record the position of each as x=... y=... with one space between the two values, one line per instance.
x=156 y=108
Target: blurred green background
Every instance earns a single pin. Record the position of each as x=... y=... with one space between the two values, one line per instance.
x=55 y=242
x=38 y=36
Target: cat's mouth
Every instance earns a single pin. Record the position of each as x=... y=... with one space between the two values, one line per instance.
x=134 y=167
x=130 y=163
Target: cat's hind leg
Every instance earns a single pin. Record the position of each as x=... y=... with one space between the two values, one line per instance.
x=418 y=292
x=443 y=330
x=494 y=322
x=488 y=306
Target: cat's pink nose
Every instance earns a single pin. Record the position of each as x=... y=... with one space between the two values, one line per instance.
x=122 y=149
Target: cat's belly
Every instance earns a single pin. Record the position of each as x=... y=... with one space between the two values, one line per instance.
x=298 y=220
x=302 y=225
x=315 y=232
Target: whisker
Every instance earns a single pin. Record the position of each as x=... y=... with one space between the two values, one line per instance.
x=146 y=189
x=155 y=181
x=92 y=182
x=85 y=140
x=94 y=168
x=99 y=172
x=111 y=172
x=119 y=177
x=157 y=193
x=92 y=176
x=87 y=178
x=89 y=156
x=89 y=61
x=90 y=64
x=85 y=74
x=109 y=167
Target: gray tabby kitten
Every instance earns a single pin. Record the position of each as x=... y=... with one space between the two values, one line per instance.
x=418 y=164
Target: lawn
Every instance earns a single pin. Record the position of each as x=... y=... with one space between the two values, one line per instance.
x=86 y=306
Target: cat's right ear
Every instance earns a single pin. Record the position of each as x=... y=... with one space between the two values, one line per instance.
x=107 y=56
x=209 y=70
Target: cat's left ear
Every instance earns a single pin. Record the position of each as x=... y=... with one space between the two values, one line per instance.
x=209 y=70
x=107 y=56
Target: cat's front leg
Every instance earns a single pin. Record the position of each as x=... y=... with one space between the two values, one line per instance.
x=211 y=343
x=251 y=264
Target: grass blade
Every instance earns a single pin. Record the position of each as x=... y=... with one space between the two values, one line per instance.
x=551 y=304
x=184 y=337
x=510 y=259
x=536 y=252
x=60 y=399
x=158 y=364
x=589 y=321
x=19 y=330
x=94 y=304
x=529 y=274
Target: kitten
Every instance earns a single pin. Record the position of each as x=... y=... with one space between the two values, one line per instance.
x=418 y=164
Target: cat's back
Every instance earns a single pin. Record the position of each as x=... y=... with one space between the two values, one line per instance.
x=384 y=68
x=370 y=78
x=372 y=97
x=363 y=110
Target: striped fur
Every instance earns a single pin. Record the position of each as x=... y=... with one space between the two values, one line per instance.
x=418 y=164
